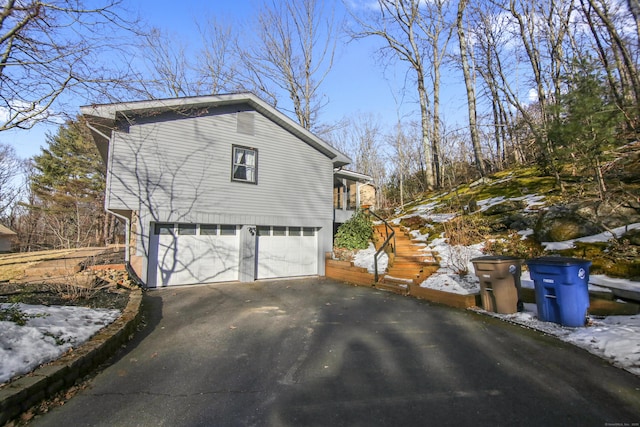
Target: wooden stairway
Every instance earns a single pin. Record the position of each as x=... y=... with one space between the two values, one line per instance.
x=411 y=264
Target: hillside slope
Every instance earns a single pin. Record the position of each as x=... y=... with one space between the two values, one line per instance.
x=522 y=213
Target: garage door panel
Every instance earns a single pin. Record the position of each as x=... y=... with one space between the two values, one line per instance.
x=219 y=258
x=195 y=258
x=287 y=255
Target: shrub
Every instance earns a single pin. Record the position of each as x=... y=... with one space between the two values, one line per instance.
x=513 y=245
x=465 y=230
x=355 y=233
x=413 y=222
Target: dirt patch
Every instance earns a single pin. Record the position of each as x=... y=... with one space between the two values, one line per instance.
x=48 y=294
x=87 y=289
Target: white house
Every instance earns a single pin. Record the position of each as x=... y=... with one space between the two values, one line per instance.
x=216 y=188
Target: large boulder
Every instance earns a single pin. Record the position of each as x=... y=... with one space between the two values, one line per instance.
x=564 y=222
x=633 y=236
x=612 y=213
x=505 y=207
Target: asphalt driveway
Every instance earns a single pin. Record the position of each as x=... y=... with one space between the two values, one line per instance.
x=320 y=353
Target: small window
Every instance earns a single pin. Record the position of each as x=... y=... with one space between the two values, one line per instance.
x=164 y=229
x=279 y=231
x=244 y=166
x=187 y=229
x=208 y=229
x=227 y=230
x=294 y=231
x=264 y=230
x=308 y=231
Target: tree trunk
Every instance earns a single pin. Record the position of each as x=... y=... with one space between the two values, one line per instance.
x=471 y=94
x=426 y=144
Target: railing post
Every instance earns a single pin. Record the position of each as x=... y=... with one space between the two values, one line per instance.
x=387 y=227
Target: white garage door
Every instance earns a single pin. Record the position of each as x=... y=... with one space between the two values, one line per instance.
x=186 y=254
x=286 y=252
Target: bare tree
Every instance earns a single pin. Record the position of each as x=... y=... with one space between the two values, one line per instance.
x=217 y=67
x=50 y=48
x=293 y=53
x=469 y=84
x=399 y=24
x=11 y=168
x=166 y=72
x=406 y=160
x=614 y=48
x=363 y=137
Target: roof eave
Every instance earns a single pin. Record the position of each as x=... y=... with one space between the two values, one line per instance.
x=104 y=116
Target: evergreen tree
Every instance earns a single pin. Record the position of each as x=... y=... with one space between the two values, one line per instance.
x=69 y=184
x=587 y=123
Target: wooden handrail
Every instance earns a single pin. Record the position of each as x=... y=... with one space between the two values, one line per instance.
x=389 y=236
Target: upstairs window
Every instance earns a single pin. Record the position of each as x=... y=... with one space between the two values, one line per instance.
x=245 y=165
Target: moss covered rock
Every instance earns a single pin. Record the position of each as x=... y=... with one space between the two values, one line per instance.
x=505 y=207
x=560 y=223
x=633 y=237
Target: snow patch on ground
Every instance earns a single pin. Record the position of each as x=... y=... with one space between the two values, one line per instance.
x=613 y=338
x=365 y=258
x=456 y=269
x=602 y=237
x=47 y=336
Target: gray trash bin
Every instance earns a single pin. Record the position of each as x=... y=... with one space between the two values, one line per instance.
x=499 y=283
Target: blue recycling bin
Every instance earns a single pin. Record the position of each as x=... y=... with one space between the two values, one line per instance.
x=561 y=288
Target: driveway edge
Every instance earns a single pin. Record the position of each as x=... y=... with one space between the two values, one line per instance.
x=20 y=395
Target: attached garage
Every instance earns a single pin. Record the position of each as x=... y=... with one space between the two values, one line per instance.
x=183 y=254
x=207 y=253
x=286 y=252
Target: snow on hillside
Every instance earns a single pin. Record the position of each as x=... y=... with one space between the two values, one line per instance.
x=614 y=338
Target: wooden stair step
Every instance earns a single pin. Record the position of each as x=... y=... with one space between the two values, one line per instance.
x=403 y=272
x=400 y=288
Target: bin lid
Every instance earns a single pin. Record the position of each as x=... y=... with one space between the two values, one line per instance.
x=497 y=259
x=558 y=260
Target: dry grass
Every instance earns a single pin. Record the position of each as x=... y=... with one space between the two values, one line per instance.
x=25 y=257
x=13 y=266
x=14 y=271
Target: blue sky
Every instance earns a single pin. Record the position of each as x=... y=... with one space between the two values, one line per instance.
x=356 y=84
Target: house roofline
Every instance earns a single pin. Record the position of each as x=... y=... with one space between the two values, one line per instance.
x=104 y=116
x=353 y=175
x=6 y=231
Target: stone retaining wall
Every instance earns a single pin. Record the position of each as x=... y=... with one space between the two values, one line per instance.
x=22 y=394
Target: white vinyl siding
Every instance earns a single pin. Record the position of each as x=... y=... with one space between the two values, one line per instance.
x=176 y=169
x=183 y=166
